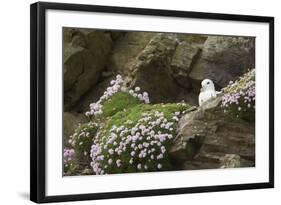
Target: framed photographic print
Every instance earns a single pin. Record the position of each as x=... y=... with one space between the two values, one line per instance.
x=129 y=102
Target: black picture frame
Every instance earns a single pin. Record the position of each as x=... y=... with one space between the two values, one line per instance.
x=38 y=103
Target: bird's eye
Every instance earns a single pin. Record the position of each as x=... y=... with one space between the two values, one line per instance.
x=208 y=83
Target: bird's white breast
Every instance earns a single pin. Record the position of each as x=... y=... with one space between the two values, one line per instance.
x=206 y=95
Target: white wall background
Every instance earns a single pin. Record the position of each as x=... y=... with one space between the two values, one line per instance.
x=14 y=101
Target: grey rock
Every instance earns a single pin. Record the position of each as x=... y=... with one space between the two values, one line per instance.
x=234 y=161
x=221 y=141
x=69 y=50
x=224 y=58
x=70 y=122
x=85 y=59
x=126 y=50
x=185 y=55
x=151 y=70
x=92 y=95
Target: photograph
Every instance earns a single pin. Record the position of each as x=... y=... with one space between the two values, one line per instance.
x=143 y=101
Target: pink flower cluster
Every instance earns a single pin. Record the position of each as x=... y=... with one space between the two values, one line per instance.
x=96 y=108
x=116 y=86
x=139 y=147
x=247 y=96
x=142 y=97
x=82 y=133
x=241 y=96
x=68 y=156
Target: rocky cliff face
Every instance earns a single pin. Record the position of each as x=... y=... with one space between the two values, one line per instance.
x=85 y=57
x=223 y=58
x=170 y=66
x=216 y=140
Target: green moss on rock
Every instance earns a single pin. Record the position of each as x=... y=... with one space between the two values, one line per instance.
x=131 y=116
x=128 y=136
x=82 y=140
x=119 y=102
x=137 y=139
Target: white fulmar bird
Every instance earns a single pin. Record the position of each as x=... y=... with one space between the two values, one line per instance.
x=207 y=91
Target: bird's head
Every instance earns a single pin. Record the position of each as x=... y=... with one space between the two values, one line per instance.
x=207 y=84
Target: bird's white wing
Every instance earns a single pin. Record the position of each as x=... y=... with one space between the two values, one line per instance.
x=214 y=94
x=200 y=101
x=205 y=96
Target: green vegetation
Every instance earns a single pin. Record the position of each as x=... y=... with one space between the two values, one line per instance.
x=127 y=136
x=239 y=97
x=119 y=102
x=137 y=139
